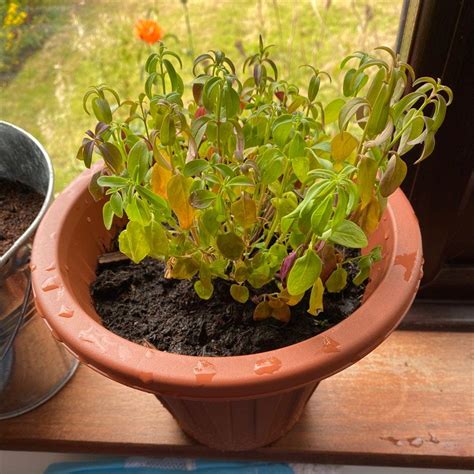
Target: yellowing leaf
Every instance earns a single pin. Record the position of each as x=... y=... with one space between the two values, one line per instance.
x=290 y=300
x=342 y=145
x=262 y=311
x=373 y=216
x=241 y=272
x=240 y=293
x=160 y=177
x=393 y=176
x=244 y=211
x=230 y=245
x=282 y=313
x=316 y=298
x=366 y=178
x=178 y=197
x=181 y=268
x=370 y=216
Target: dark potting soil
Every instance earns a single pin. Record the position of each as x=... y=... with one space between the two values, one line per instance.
x=19 y=206
x=138 y=303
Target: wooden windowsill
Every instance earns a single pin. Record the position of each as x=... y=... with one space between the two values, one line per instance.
x=409 y=403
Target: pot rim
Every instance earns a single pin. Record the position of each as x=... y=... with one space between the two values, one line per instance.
x=227 y=377
x=48 y=198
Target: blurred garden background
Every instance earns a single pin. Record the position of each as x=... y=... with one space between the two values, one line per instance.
x=51 y=51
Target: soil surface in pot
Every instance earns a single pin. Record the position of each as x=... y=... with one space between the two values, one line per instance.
x=19 y=206
x=138 y=303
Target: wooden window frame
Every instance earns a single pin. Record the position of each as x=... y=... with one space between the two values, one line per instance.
x=438 y=40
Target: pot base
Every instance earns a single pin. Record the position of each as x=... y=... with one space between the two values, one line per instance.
x=33 y=369
x=239 y=425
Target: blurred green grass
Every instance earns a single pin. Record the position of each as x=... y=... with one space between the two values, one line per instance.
x=97 y=44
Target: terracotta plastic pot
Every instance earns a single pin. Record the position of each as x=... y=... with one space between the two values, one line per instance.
x=229 y=403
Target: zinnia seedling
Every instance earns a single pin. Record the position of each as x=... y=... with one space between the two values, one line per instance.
x=255 y=181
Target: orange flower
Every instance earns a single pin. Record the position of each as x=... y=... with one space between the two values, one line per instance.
x=148 y=31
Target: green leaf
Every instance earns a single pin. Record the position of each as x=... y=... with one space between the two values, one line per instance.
x=231 y=101
x=341 y=209
x=313 y=87
x=349 y=234
x=347 y=84
x=101 y=109
x=277 y=253
x=108 y=215
x=270 y=164
x=209 y=221
x=349 y=109
x=393 y=176
x=440 y=113
x=138 y=161
x=406 y=103
x=176 y=81
x=260 y=275
x=379 y=114
x=364 y=271
x=337 y=280
x=157 y=240
x=331 y=111
x=282 y=128
x=297 y=146
x=150 y=81
x=428 y=147
x=240 y=181
x=230 y=245
x=321 y=215
x=133 y=242
x=240 y=293
x=112 y=181
x=117 y=204
x=204 y=289
x=156 y=201
x=137 y=211
x=300 y=166
x=211 y=93
x=375 y=86
x=225 y=170
x=168 y=131
x=195 y=167
x=202 y=198
x=304 y=273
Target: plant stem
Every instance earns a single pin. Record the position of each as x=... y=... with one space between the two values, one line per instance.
x=162 y=75
x=144 y=121
x=188 y=28
x=272 y=229
x=218 y=123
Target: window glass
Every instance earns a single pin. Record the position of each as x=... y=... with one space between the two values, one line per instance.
x=51 y=51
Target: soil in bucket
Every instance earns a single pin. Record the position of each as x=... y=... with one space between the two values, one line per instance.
x=19 y=206
x=138 y=303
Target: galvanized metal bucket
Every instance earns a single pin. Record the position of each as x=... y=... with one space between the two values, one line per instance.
x=33 y=366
